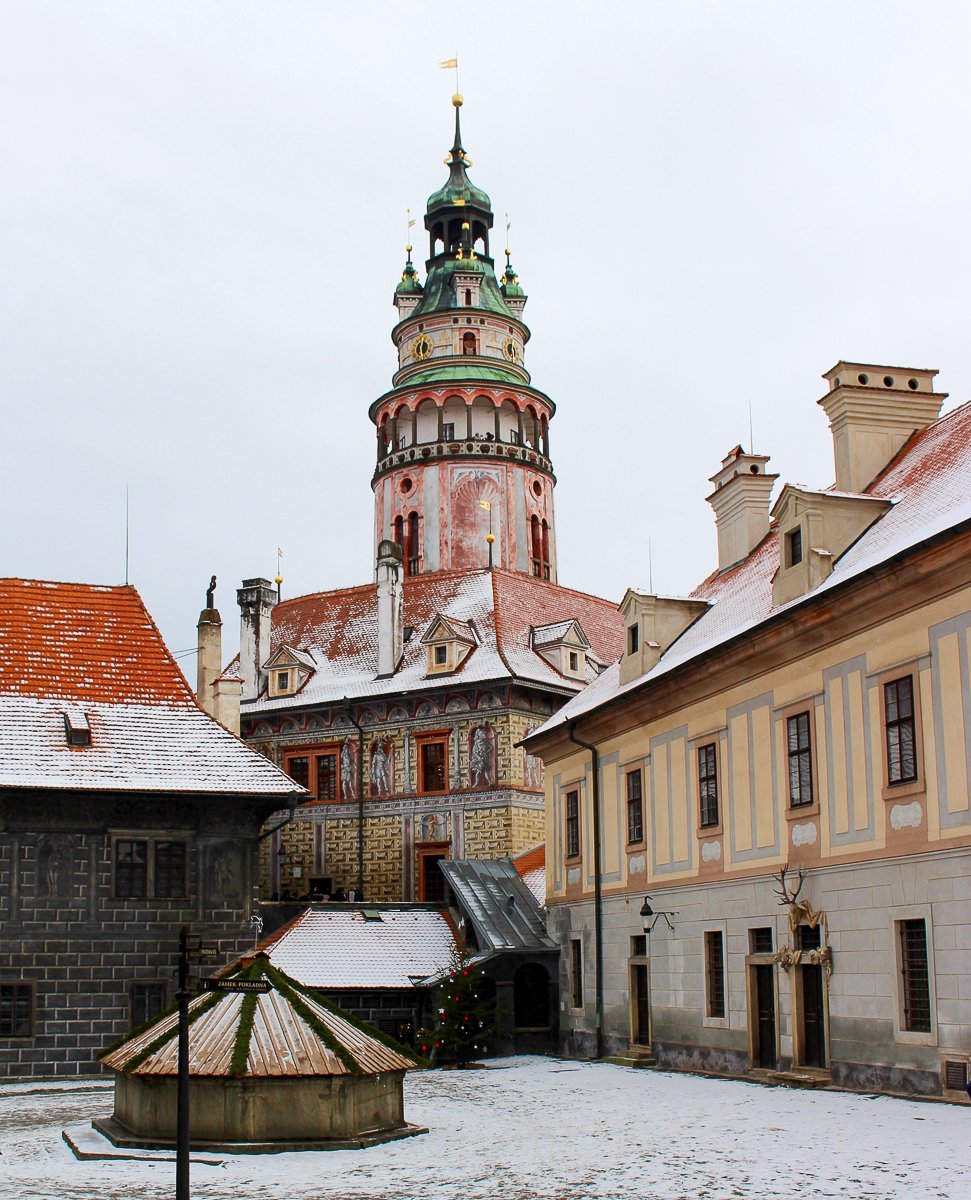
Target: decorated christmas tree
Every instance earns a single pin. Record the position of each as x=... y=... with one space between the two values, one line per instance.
x=466 y=1011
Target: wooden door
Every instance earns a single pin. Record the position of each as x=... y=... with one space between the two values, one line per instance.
x=813 y=1020
x=765 y=1015
x=640 y=1006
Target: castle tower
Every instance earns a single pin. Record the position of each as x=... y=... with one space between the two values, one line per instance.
x=462 y=438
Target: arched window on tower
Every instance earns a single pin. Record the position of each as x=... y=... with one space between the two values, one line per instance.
x=468 y=297
x=468 y=343
x=412 y=547
x=537 y=546
x=546 y=550
x=399 y=532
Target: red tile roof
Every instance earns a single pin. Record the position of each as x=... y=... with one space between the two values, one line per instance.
x=82 y=642
x=96 y=652
x=340 y=629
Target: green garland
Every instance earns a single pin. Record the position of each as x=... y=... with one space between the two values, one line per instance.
x=210 y=1002
x=139 y=1029
x=247 y=1013
x=284 y=987
x=277 y=976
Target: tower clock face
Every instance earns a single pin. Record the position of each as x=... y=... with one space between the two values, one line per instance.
x=421 y=347
x=510 y=348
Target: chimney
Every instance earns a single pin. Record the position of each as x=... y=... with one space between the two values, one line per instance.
x=391 y=634
x=210 y=643
x=872 y=411
x=256 y=600
x=226 y=691
x=741 y=504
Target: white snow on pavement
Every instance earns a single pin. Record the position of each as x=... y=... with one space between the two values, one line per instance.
x=544 y=1129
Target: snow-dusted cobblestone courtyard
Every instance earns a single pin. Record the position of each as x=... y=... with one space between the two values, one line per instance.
x=540 y=1128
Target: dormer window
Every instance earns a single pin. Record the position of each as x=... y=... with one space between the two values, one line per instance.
x=448 y=642
x=76 y=729
x=633 y=639
x=287 y=670
x=564 y=645
x=794 y=546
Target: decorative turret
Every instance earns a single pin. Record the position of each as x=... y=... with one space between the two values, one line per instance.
x=462 y=437
x=512 y=293
x=408 y=292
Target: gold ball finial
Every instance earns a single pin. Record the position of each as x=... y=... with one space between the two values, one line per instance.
x=278 y=580
x=407 y=249
x=489 y=538
x=457 y=99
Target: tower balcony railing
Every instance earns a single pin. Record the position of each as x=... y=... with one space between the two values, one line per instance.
x=479 y=446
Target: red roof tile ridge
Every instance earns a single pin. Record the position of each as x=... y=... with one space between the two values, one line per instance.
x=517 y=576
x=530 y=860
x=66 y=583
x=499 y=630
x=961 y=413
x=271 y=939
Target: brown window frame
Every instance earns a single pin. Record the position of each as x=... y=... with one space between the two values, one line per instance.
x=423 y=743
x=313 y=753
x=572 y=823
x=635 y=806
x=894 y=726
x=708 y=786
x=803 y=756
x=716 y=1005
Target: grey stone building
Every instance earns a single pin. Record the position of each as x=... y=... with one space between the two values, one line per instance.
x=125 y=813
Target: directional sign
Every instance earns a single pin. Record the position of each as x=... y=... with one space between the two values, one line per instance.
x=235 y=985
x=205 y=952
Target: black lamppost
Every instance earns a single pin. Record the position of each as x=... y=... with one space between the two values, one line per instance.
x=182 y=1104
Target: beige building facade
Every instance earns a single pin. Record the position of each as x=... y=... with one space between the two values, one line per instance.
x=781 y=766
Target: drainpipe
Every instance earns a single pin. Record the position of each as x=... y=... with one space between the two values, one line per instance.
x=360 y=802
x=598 y=916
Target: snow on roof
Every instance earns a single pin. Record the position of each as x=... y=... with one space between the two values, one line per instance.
x=503 y=911
x=94 y=652
x=341 y=948
x=930 y=483
x=340 y=629
x=532 y=869
x=281 y=1042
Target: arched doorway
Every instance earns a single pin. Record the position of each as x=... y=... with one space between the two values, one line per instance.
x=531 y=998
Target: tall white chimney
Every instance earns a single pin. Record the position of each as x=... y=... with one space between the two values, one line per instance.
x=389 y=574
x=741 y=504
x=872 y=411
x=256 y=600
x=210 y=644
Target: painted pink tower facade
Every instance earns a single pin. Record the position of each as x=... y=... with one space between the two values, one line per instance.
x=462 y=437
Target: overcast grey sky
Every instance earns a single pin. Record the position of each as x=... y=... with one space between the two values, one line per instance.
x=203 y=218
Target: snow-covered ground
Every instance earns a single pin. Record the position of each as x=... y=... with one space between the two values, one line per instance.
x=541 y=1128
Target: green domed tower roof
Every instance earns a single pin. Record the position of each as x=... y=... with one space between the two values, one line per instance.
x=458 y=219
x=459 y=190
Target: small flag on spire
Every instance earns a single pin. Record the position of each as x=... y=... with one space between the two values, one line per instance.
x=486 y=504
x=449 y=64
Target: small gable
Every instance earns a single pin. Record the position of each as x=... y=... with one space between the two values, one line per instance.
x=287 y=670
x=448 y=642
x=565 y=647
